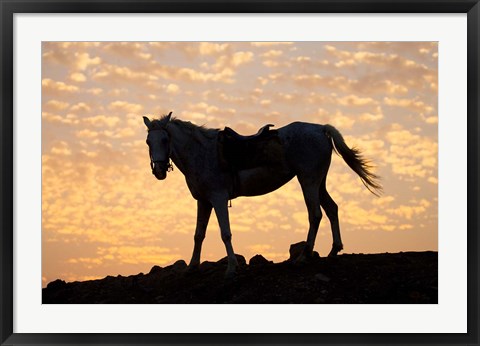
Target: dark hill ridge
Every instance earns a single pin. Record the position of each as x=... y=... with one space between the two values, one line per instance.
x=406 y=277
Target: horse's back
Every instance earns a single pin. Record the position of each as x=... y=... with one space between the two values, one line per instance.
x=306 y=145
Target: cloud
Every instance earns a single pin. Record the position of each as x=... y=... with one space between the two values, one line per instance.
x=353 y=100
x=394 y=74
x=80 y=107
x=409 y=154
x=102 y=120
x=83 y=60
x=272 y=54
x=78 y=77
x=372 y=116
x=353 y=58
x=125 y=107
x=212 y=113
x=86 y=133
x=414 y=105
x=68 y=54
x=209 y=48
x=367 y=218
x=55 y=105
x=383 y=200
x=409 y=211
x=338 y=83
x=51 y=85
x=232 y=61
x=342 y=121
x=173 y=89
x=370 y=145
x=94 y=91
x=129 y=50
x=61 y=148
x=188 y=74
x=69 y=119
x=120 y=75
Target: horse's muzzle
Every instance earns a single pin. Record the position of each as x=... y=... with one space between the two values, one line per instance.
x=159 y=170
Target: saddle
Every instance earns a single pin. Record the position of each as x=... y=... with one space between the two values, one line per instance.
x=263 y=132
x=238 y=152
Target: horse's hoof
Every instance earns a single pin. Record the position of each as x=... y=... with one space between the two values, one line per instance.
x=335 y=250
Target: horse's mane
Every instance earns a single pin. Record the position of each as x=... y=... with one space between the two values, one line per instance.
x=157 y=124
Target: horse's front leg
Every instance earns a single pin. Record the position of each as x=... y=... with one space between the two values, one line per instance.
x=221 y=209
x=204 y=210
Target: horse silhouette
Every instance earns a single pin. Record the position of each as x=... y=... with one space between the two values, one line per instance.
x=220 y=165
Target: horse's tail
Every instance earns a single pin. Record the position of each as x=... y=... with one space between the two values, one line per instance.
x=354 y=160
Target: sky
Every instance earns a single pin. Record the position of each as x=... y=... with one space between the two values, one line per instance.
x=104 y=213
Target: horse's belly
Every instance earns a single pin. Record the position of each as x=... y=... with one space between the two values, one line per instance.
x=261 y=180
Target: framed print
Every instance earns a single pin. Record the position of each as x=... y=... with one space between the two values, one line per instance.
x=241 y=173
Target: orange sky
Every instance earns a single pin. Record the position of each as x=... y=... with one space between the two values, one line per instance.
x=103 y=212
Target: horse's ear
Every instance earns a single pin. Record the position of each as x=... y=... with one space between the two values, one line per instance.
x=147 y=122
x=168 y=116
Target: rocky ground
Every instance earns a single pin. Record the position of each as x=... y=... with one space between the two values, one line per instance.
x=406 y=277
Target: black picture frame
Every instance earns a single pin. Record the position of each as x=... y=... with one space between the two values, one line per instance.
x=9 y=7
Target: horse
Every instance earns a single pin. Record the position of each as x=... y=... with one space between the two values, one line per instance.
x=298 y=149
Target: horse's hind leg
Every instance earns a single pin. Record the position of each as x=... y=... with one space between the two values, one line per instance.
x=310 y=189
x=331 y=209
x=204 y=210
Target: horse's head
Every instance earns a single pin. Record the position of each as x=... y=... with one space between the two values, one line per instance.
x=158 y=141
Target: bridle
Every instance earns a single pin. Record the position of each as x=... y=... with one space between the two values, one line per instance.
x=165 y=165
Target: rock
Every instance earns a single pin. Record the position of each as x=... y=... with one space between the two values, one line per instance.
x=322 y=277
x=179 y=265
x=354 y=279
x=296 y=250
x=57 y=284
x=155 y=269
x=207 y=265
x=258 y=260
x=241 y=260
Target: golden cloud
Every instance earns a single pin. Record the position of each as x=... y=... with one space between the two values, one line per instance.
x=61 y=148
x=56 y=105
x=83 y=60
x=78 y=77
x=69 y=119
x=51 y=85
x=102 y=120
x=414 y=105
x=125 y=107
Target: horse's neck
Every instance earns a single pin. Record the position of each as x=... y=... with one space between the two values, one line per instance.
x=184 y=146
